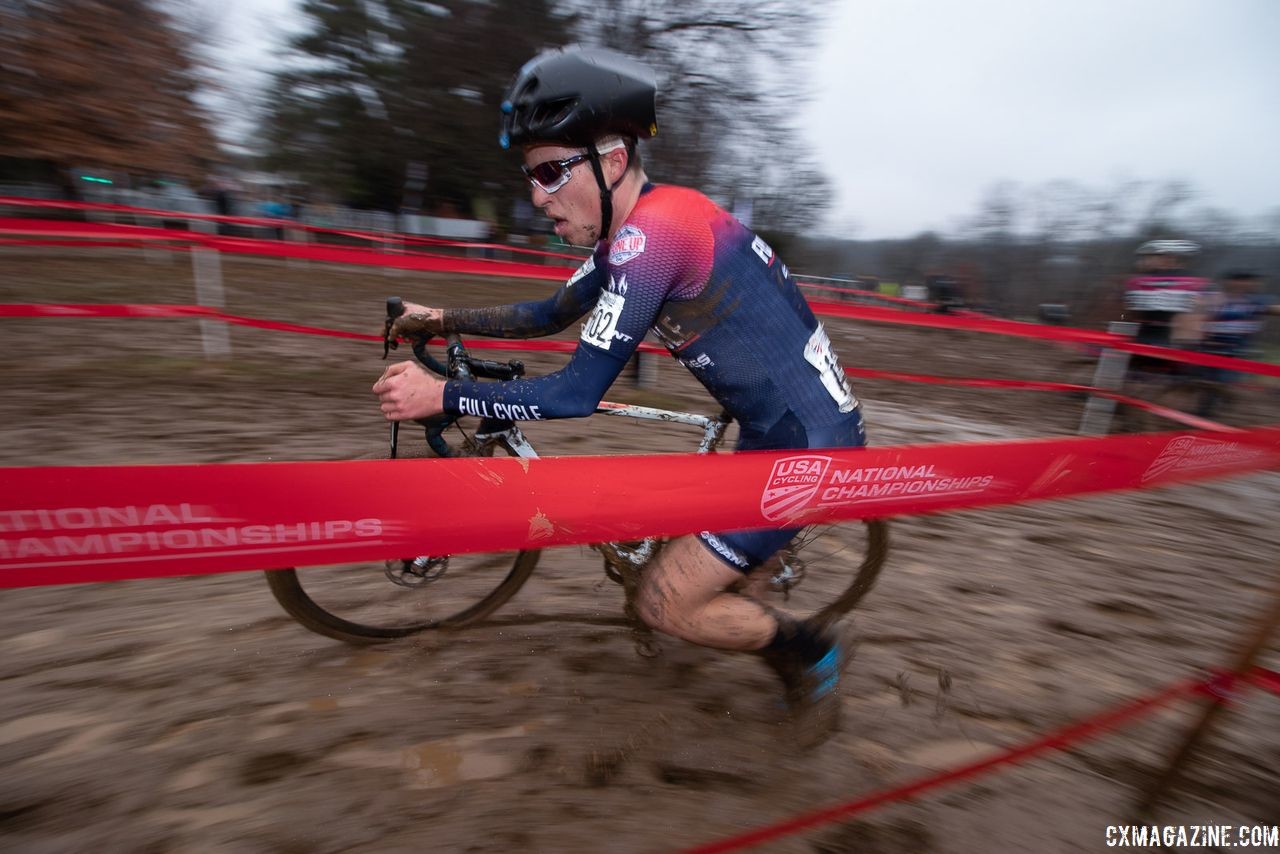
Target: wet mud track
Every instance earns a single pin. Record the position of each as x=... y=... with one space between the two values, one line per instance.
x=190 y=714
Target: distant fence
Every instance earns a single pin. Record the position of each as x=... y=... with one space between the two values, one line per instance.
x=179 y=200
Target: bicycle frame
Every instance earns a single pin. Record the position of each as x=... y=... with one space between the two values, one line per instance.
x=621 y=555
x=354 y=608
x=713 y=429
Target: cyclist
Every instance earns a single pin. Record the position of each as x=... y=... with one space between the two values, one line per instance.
x=668 y=259
x=1165 y=302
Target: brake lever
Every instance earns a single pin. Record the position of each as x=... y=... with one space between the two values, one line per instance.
x=459 y=361
x=395 y=308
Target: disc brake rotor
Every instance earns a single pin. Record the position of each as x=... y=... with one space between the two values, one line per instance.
x=789 y=574
x=417 y=572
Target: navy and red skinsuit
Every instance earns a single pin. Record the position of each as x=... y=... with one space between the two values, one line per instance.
x=722 y=303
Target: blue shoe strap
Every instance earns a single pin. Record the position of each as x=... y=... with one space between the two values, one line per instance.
x=827 y=669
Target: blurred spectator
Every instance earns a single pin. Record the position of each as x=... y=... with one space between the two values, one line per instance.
x=275 y=208
x=219 y=190
x=1236 y=314
x=521 y=219
x=484 y=210
x=944 y=293
x=1054 y=313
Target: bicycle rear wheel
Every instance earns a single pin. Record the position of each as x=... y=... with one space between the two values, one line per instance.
x=368 y=603
x=825 y=572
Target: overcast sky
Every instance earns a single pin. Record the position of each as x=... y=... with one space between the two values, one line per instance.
x=919 y=106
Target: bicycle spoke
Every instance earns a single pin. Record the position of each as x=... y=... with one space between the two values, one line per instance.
x=836 y=565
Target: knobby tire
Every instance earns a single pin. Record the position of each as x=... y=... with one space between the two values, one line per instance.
x=288 y=586
x=288 y=590
x=863 y=579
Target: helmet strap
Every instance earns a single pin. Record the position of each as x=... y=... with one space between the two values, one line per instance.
x=606 y=192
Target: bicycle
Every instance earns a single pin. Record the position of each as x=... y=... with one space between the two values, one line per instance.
x=443 y=592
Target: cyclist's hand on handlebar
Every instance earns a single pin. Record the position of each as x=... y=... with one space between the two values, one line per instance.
x=406 y=392
x=418 y=321
x=416 y=308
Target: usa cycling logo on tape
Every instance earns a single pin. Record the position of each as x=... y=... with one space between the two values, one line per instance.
x=793 y=482
x=1190 y=453
x=801 y=483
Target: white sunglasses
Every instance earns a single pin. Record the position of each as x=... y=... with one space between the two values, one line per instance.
x=551 y=175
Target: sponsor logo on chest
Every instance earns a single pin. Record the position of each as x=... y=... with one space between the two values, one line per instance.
x=627 y=244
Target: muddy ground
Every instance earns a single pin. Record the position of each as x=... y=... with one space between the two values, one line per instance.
x=190 y=714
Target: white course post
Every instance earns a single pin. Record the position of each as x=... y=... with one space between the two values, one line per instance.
x=206 y=264
x=151 y=251
x=298 y=235
x=1110 y=374
x=392 y=243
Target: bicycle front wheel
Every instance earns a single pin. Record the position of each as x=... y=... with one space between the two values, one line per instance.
x=372 y=603
x=378 y=602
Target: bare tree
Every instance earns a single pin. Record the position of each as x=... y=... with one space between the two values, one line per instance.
x=1161 y=213
x=376 y=86
x=732 y=76
x=380 y=84
x=101 y=84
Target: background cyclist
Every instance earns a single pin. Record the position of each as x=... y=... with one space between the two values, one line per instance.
x=1166 y=302
x=667 y=259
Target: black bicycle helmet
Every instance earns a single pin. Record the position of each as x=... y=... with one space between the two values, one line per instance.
x=576 y=95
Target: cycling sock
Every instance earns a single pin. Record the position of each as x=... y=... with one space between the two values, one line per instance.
x=796 y=640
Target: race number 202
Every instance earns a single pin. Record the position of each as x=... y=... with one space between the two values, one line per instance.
x=600 y=327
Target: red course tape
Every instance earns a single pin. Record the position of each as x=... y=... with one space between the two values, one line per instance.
x=1059 y=739
x=966 y=321
x=76 y=524
x=393 y=238
x=221 y=526
x=178 y=311
x=1019 y=329
x=363 y=257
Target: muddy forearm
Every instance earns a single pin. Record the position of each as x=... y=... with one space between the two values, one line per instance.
x=519 y=320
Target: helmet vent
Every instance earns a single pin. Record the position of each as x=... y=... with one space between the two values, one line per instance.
x=551 y=113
